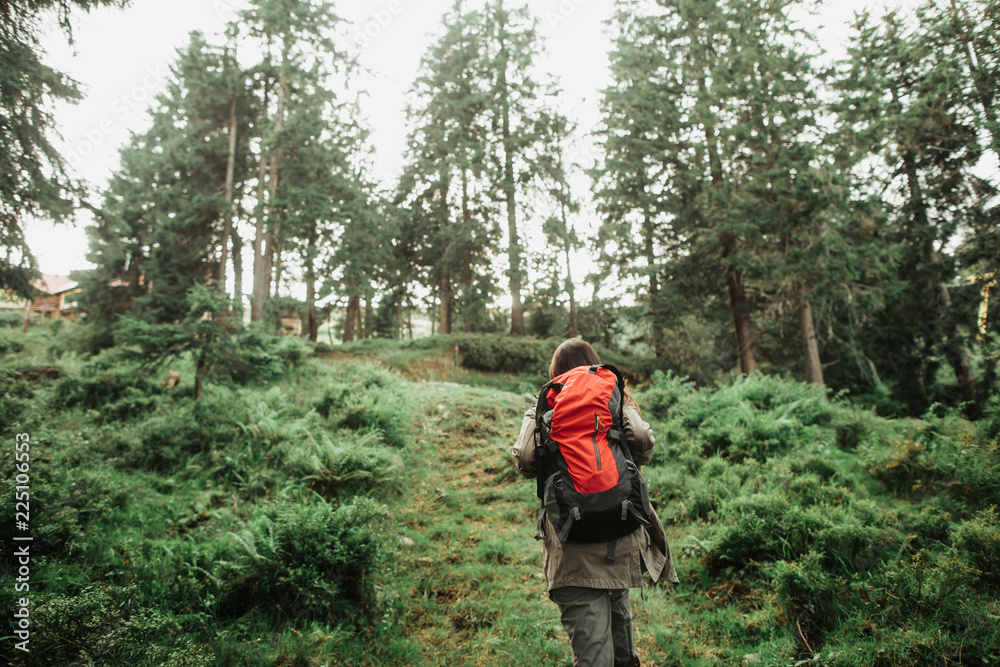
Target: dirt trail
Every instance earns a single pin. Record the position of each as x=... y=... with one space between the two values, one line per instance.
x=470 y=570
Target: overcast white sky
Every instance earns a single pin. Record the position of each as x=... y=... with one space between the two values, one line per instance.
x=121 y=58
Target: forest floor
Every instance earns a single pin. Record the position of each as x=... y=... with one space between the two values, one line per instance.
x=170 y=532
x=470 y=568
x=468 y=565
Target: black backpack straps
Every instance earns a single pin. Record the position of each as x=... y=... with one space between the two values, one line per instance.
x=618 y=376
x=550 y=506
x=540 y=404
x=574 y=515
x=543 y=468
x=543 y=402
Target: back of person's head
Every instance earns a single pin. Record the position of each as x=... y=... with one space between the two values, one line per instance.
x=572 y=353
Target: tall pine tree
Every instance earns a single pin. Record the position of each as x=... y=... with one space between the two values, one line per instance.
x=34 y=181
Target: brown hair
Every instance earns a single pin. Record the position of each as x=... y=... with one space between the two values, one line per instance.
x=577 y=352
x=572 y=353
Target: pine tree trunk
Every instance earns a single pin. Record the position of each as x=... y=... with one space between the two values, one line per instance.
x=199 y=371
x=272 y=248
x=574 y=327
x=230 y=178
x=279 y=268
x=311 y=329
x=261 y=268
x=741 y=321
x=654 y=284
x=810 y=346
x=237 y=269
x=734 y=281
x=446 y=297
x=514 y=247
x=955 y=349
x=574 y=324
x=959 y=357
x=350 y=317
x=267 y=234
x=470 y=318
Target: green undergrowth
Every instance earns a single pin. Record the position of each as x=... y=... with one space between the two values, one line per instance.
x=250 y=527
x=338 y=513
x=813 y=532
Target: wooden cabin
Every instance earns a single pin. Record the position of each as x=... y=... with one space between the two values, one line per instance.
x=51 y=294
x=51 y=298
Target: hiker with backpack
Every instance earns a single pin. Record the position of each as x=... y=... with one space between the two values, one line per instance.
x=584 y=442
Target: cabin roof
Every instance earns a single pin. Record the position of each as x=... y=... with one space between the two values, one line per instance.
x=54 y=285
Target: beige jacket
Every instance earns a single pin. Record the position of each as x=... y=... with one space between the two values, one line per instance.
x=585 y=565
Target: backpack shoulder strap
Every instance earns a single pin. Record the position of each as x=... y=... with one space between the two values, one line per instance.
x=543 y=402
x=544 y=467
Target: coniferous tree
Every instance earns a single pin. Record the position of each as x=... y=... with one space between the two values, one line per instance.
x=159 y=234
x=34 y=181
x=293 y=34
x=560 y=234
x=639 y=122
x=443 y=186
x=162 y=221
x=478 y=146
x=927 y=134
x=518 y=125
x=710 y=169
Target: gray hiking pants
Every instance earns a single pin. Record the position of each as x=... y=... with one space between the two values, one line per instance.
x=599 y=625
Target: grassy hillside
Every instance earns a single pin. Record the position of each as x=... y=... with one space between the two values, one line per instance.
x=360 y=508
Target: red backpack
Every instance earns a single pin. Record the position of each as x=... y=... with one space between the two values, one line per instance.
x=589 y=486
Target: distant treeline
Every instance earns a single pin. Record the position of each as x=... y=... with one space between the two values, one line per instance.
x=761 y=208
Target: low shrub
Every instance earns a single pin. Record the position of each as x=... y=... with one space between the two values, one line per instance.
x=17 y=404
x=11 y=341
x=854 y=426
x=957 y=463
x=111 y=384
x=102 y=625
x=254 y=355
x=664 y=391
x=55 y=522
x=302 y=562
x=807 y=591
x=11 y=318
x=167 y=440
x=363 y=397
x=504 y=354
x=977 y=542
x=344 y=464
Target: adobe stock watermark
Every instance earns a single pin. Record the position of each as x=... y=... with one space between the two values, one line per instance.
x=22 y=541
x=376 y=23
x=137 y=98
x=227 y=9
x=563 y=12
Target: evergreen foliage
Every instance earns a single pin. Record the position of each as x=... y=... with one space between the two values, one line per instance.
x=35 y=182
x=483 y=137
